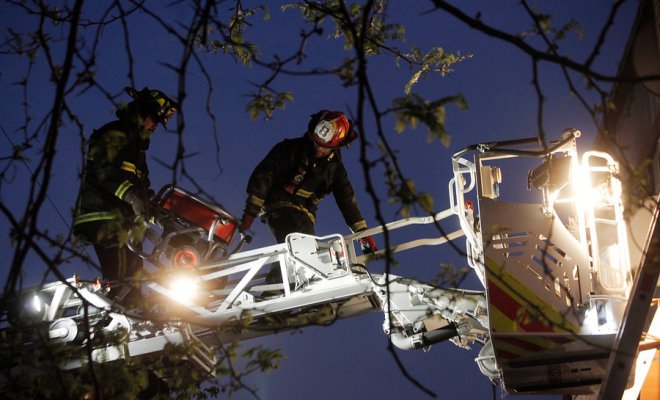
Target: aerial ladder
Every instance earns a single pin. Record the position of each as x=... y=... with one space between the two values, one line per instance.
x=556 y=275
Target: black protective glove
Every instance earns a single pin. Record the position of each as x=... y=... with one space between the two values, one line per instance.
x=137 y=203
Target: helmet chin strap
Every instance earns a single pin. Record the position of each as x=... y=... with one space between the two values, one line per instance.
x=320 y=151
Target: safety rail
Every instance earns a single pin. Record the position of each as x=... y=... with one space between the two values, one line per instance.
x=322 y=262
x=464 y=209
x=405 y=222
x=608 y=235
x=457 y=191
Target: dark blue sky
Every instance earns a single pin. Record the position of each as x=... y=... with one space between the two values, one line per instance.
x=349 y=359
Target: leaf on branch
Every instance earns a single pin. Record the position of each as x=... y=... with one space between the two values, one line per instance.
x=435 y=60
x=425 y=200
x=268 y=103
x=449 y=275
x=263 y=359
x=413 y=109
x=571 y=26
x=545 y=21
x=413 y=80
x=543 y=25
x=229 y=38
x=347 y=72
x=405 y=193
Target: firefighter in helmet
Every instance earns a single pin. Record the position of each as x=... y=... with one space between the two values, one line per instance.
x=288 y=184
x=115 y=188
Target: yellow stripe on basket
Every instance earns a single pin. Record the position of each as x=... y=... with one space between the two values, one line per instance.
x=531 y=307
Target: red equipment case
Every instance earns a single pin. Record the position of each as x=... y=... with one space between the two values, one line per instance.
x=198 y=212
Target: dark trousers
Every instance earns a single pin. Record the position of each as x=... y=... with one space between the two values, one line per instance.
x=281 y=222
x=118 y=263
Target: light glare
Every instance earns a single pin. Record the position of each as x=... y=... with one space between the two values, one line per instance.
x=183 y=289
x=36 y=303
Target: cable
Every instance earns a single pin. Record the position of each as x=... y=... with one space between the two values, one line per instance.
x=366 y=271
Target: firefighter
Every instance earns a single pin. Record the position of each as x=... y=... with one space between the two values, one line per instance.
x=115 y=188
x=287 y=185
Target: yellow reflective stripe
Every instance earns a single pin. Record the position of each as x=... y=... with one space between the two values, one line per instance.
x=303 y=209
x=94 y=216
x=282 y=204
x=121 y=190
x=304 y=193
x=259 y=202
x=130 y=167
x=533 y=306
x=359 y=226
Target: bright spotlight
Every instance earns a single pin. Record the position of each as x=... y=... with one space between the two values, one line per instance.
x=36 y=304
x=183 y=289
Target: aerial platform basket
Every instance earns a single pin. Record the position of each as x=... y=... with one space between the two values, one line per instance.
x=556 y=269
